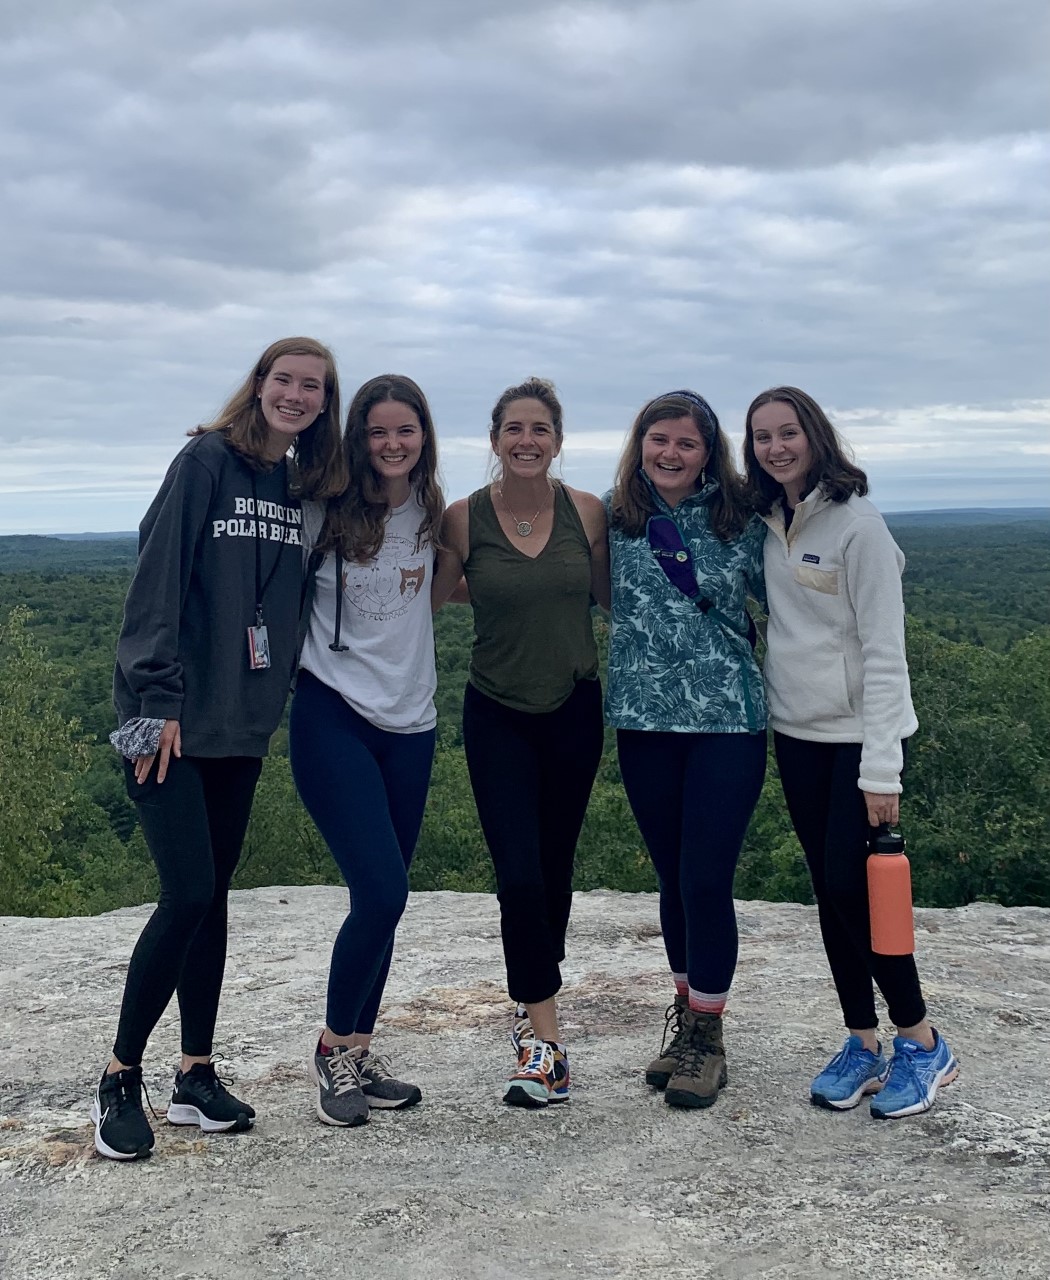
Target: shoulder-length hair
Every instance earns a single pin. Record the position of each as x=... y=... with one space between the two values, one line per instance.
x=318 y=467
x=633 y=501
x=832 y=467
x=355 y=520
x=541 y=389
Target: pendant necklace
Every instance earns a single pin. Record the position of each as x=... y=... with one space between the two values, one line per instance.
x=524 y=527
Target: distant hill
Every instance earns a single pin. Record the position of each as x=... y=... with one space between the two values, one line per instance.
x=33 y=553
x=94 y=537
x=970 y=516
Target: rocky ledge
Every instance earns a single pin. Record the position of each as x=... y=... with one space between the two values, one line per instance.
x=614 y=1184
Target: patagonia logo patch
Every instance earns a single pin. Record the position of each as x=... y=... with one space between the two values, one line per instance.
x=809 y=558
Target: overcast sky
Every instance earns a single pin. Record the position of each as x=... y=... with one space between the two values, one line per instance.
x=847 y=195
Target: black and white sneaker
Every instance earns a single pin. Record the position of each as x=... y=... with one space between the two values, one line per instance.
x=382 y=1088
x=122 y=1131
x=340 y=1098
x=201 y=1098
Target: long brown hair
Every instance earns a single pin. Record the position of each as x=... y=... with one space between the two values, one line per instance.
x=355 y=520
x=832 y=467
x=318 y=466
x=633 y=501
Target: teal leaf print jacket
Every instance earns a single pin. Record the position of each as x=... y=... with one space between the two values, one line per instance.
x=671 y=667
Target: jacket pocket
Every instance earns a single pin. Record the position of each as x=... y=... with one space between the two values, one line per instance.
x=823 y=580
x=812 y=689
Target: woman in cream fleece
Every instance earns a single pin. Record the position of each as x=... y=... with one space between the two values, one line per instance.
x=840 y=708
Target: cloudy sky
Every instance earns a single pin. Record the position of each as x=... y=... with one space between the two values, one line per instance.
x=625 y=196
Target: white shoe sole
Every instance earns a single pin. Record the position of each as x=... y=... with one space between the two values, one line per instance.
x=104 y=1149
x=874 y=1085
x=183 y=1114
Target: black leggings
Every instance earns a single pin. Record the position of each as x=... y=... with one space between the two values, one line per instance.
x=831 y=821
x=194 y=823
x=532 y=776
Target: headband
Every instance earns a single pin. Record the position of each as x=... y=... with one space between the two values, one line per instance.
x=698 y=402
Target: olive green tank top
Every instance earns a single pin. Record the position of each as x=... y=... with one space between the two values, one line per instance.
x=532 y=617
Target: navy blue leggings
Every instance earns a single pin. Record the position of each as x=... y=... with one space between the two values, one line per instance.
x=366 y=789
x=693 y=795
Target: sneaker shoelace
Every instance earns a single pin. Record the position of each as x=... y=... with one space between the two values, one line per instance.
x=345 y=1071
x=902 y=1064
x=129 y=1094
x=541 y=1058
x=378 y=1066
x=209 y=1080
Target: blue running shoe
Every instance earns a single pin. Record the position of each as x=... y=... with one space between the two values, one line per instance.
x=915 y=1076
x=851 y=1073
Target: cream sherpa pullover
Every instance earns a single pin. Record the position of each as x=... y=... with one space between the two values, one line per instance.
x=836 y=669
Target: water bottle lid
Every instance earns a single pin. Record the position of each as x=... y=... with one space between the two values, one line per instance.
x=886 y=839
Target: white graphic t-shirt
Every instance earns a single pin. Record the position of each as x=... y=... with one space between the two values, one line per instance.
x=387 y=672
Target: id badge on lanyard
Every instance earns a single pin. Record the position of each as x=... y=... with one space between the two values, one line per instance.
x=258 y=645
x=258 y=640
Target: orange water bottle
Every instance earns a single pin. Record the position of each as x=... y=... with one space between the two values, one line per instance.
x=889 y=893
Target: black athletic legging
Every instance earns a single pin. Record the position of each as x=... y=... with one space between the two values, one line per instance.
x=831 y=821
x=194 y=823
x=532 y=776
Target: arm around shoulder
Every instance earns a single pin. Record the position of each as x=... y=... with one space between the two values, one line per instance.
x=448 y=574
x=592 y=516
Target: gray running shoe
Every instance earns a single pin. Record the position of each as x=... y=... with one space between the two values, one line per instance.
x=340 y=1098
x=381 y=1087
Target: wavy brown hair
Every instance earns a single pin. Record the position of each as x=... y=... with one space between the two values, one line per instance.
x=832 y=467
x=355 y=520
x=318 y=467
x=633 y=500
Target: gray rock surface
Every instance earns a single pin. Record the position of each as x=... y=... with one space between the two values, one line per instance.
x=614 y=1184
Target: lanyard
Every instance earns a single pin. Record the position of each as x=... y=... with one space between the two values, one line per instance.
x=260 y=585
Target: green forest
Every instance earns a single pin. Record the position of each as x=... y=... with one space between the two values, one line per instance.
x=977 y=791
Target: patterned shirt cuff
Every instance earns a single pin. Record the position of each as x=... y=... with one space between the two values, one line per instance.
x=139 y=737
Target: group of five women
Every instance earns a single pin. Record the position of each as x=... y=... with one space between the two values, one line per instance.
x=276 y=550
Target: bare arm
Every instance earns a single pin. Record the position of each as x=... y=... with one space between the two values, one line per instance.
x=449 y=583
x=592 y=515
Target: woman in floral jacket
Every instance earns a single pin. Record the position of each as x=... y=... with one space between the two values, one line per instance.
x=686 y=699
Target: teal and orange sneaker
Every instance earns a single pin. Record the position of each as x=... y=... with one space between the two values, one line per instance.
x=542 y=1075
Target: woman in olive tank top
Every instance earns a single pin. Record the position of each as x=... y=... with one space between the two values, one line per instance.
x=534 y=554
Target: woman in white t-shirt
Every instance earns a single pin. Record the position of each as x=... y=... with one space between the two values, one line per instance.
x=362 y=727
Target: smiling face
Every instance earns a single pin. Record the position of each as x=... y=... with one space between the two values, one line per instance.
x=395 y=444
x=291 y=396
x=526 y=443
x=781 y=447
x=673 y=455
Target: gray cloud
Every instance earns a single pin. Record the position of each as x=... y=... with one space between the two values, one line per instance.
x=622 y=196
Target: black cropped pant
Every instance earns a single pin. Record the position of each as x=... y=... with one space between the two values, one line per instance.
x=532 y=776
x=194 y=823
x=831 y=821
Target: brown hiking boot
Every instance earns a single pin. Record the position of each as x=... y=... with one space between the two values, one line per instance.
x=702 y=1063
x=665 y=1064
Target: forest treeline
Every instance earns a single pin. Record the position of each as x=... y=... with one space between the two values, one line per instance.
x=977 y=788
